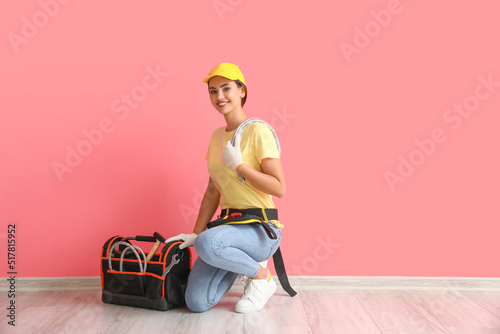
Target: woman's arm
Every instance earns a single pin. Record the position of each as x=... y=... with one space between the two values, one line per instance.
x=208 y=207
x=271 y=180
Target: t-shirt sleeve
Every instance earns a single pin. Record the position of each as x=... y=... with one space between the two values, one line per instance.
x=265 y=144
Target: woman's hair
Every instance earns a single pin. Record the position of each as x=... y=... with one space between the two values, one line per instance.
x=241 y=84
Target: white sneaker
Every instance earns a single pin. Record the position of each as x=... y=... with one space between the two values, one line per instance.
x=245 y=278
x=257 y=293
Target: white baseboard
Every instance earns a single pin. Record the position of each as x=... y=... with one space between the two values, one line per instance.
x=37 y=284
x=92 y=283
x=395 y=283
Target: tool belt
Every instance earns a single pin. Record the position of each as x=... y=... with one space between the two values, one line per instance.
x=259 y=217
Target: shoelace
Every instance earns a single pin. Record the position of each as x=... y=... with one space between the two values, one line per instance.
x=245 y=280
x=249 y=289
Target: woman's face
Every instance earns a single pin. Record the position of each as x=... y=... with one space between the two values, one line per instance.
x=225 y=95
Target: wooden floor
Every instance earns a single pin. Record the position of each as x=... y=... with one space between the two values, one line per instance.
x=313 y=310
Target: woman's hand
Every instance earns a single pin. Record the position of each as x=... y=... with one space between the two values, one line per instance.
x=231 y=155
x=187 y=238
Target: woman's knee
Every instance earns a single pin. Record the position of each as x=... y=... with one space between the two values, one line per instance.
x=196 y=307
x=195 y=301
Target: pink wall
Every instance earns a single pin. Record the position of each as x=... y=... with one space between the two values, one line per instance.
x=386 y=174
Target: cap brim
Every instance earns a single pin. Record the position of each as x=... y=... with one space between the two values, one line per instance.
x=207 y=79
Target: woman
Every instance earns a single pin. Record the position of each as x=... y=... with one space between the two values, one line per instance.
x=227 y=251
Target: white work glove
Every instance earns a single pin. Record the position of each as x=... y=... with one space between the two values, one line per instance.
x=231 y=155
x=187 y=238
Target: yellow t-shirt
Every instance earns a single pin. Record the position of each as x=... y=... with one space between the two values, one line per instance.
x=257 y=143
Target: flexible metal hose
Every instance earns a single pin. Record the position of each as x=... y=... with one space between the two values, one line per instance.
x=143 y=270
x=129 y=246
x=242 y=127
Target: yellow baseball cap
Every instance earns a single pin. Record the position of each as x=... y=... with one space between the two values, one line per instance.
x=226 y=70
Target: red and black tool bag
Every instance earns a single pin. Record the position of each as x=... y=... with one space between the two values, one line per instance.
x=123 y=283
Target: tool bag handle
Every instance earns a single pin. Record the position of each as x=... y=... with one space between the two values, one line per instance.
x=145 y=238
x=142 y=238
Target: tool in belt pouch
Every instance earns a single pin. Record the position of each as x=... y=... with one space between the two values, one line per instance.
x=261 y=217
x=128 y=278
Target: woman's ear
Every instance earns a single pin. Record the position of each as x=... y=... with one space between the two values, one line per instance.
x=243 y=91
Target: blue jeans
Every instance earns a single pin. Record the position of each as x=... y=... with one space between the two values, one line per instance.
x=224 y=253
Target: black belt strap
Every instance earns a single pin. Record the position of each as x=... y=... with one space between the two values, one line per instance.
x=279 y=264
x=266 y=214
